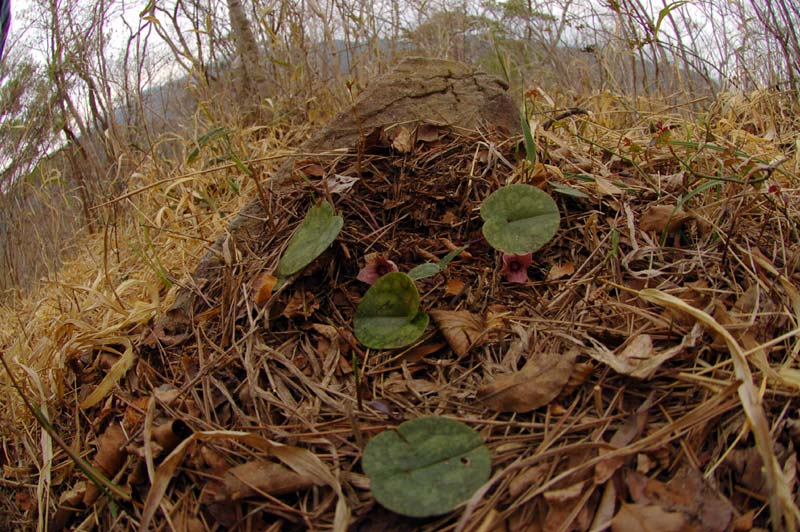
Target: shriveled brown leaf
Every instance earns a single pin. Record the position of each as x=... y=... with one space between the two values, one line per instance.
x=462 y=329
x=310 y=169
x=401 y=139
x=262 y=287
x=108 y=460
x=606 y=187
x=605 y=508
x=527 y=478
x=744 y=522
x=557 y=271
x=252 y=478
x=419 y=352
x=687 y=493
x=661 y=218
x=428 y=132
x=454 y=287
x=649 y=518
x=302 y=304
x=535 y=385
x=299 y=460
x=630 y=430
x=746 y=466
x=639 y=358
x=340 y=184
x=561 y=504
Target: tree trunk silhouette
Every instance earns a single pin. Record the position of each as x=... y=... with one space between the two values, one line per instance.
x=252 y=67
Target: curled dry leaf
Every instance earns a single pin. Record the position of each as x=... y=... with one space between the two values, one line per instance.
x=527 y=478
x=561 y=505
x=663 y=217
x=401 y=139
x=339 y=184
x=302 y=304
x=454 y=287
x=630 y=430
x=427 y=132
x=108 y=460
x=263 y=285
x=648 y=518
x=688 y=494
x=535 y=385
x=461 y=329
x=606 y=187
x=310 y=168
x=253 y=478
x=639 y=358
x=557 y=271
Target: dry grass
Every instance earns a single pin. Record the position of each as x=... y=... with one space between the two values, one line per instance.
x=284 y=373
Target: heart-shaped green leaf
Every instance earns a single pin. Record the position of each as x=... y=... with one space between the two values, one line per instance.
x=388 y=315
x=428 y=466
x=519 y=219
x=313 y=236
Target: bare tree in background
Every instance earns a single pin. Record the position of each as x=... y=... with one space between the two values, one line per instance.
x=253 y=73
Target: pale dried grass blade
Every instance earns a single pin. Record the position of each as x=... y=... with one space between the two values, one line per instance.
x=117 y=371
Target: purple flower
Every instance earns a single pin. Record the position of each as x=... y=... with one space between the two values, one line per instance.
x=376 y=267
x=515 y=267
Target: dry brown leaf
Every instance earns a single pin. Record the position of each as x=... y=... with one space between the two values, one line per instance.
x=605 y=508
x=639 y=359
x=648 y=518
x=557 y=271
x=462 y=329
x=535 y=385
x=419 y=352
x=339 y=184
x=687 y=493
x=108 y=460
x=252 y=478
x=262 y=287
x=454 y=287
x=401 y=139
x=744 y=522
x=134 y=413
x=302 y=461
x=631 y=429
x=527 y=478
x=302 y=304
x=663 y=217
x=428 y=132
x=561 y=504
x=310 y=169
x=606 y=187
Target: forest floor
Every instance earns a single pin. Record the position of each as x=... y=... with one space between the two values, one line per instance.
x=644 y=377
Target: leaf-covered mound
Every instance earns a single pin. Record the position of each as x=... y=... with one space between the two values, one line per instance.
x=600 y=399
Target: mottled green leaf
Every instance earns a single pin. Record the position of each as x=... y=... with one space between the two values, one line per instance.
x=428 y=466
x=519 y=218
x=388 y=315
